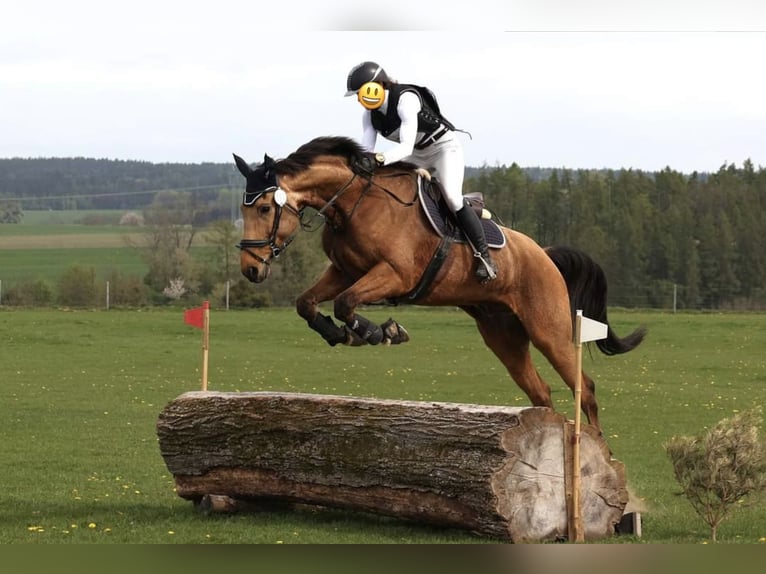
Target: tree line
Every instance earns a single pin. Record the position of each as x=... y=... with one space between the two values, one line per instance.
x=665 y=239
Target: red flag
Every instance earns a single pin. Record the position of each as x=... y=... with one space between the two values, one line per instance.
x=196 y=317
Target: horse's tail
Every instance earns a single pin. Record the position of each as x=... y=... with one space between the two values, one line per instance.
x=586 y=283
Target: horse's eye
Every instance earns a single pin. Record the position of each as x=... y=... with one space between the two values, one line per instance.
x=264 y=209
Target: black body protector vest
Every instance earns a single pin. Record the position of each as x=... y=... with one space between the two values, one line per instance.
x=431 y=122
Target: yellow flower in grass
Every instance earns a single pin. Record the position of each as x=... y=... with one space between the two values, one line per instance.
x=91 y=525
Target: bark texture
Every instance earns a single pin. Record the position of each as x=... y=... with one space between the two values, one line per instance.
x=496 y=471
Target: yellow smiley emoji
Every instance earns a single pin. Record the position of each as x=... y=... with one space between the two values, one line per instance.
x=371 y=95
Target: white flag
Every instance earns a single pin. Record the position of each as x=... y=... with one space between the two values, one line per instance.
x=591 y=330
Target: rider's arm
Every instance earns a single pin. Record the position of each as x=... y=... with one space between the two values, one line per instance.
x=408 y=108
x=369 y=134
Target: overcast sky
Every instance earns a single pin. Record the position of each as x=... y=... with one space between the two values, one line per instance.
x=555 y=83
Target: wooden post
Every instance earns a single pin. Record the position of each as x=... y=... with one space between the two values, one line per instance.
x=576 y=533
x=205 y=341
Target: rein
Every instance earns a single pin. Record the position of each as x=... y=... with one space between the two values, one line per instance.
x=370 y=184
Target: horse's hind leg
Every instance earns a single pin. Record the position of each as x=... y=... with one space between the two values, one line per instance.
x=505 y=336
x=554 y=340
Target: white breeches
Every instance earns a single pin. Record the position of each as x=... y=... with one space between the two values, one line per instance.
x=445 y=158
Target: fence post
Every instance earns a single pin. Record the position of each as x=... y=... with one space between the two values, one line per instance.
x=107 y=295
x=675 y=296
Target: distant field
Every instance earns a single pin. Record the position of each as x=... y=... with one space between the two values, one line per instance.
x=68 y=238
x=40 y=249
x=49 y=264
x=67 y=216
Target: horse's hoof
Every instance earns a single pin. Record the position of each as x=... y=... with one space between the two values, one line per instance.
x=394 y=333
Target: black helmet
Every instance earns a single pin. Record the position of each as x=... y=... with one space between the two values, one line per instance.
x=363 y=73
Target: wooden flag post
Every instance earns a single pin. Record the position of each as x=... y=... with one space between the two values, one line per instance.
x=593 y=331
x=576 y=533
x=205 y=341
x=199 y=317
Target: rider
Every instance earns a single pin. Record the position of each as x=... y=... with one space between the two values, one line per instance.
x=409 y=115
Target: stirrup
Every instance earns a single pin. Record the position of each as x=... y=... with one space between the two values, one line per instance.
x=486 y=270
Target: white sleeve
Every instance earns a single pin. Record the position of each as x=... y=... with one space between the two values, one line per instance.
x=408 y=109
x=369 y=134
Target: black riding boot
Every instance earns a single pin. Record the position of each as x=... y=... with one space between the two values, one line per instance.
x=471 y=225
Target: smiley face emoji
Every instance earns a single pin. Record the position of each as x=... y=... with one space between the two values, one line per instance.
x=371 y=95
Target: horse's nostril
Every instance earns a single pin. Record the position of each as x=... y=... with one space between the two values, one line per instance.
x=251 y=273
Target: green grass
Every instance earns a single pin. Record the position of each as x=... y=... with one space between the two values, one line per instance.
x=83 y=390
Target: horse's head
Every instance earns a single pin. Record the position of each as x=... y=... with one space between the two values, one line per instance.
x=266 y=233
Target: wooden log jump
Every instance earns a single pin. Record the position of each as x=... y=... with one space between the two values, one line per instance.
x=495 y=471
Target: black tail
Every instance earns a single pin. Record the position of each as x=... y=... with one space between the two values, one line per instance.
x=586 y=283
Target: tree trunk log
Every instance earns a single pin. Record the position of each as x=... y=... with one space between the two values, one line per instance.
x=496 y=471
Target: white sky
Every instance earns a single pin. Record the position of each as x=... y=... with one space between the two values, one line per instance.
x=555 y=83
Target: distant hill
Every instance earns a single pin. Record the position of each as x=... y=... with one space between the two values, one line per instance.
x=86 y=183
x=89 y=183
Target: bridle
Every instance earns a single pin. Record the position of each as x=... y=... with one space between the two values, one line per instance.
x=280 y=201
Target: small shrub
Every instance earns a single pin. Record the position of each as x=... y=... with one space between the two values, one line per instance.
x=176 y=289
x=242 y=293
x=34 y=293
x=77 y=287
x=127 y=290
x=132 y=219
x=722 y=467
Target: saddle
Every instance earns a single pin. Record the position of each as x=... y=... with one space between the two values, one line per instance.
x=444 y=224
x=443 y=221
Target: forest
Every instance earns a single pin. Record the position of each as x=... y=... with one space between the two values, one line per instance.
x=665 y=239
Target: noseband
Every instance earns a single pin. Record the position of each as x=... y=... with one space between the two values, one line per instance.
x=280 y=200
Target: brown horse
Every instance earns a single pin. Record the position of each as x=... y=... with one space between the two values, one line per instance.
x=379 y=242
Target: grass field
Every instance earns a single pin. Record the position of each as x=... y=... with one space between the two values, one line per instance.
x=34 y=217
x=46 y=244
x=83 y=390
x=49 y=264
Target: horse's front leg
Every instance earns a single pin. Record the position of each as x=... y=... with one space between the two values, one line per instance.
x=328 y=286
x=378 y=284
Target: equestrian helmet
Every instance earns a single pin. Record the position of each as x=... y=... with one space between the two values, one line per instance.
x=364 y=73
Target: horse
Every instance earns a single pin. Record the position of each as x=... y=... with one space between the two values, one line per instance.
x=379 y=242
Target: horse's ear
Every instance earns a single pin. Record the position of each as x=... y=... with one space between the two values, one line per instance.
x=268 y=162
x=244 y=169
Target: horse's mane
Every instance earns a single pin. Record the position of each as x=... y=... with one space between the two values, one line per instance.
x=305 y=155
